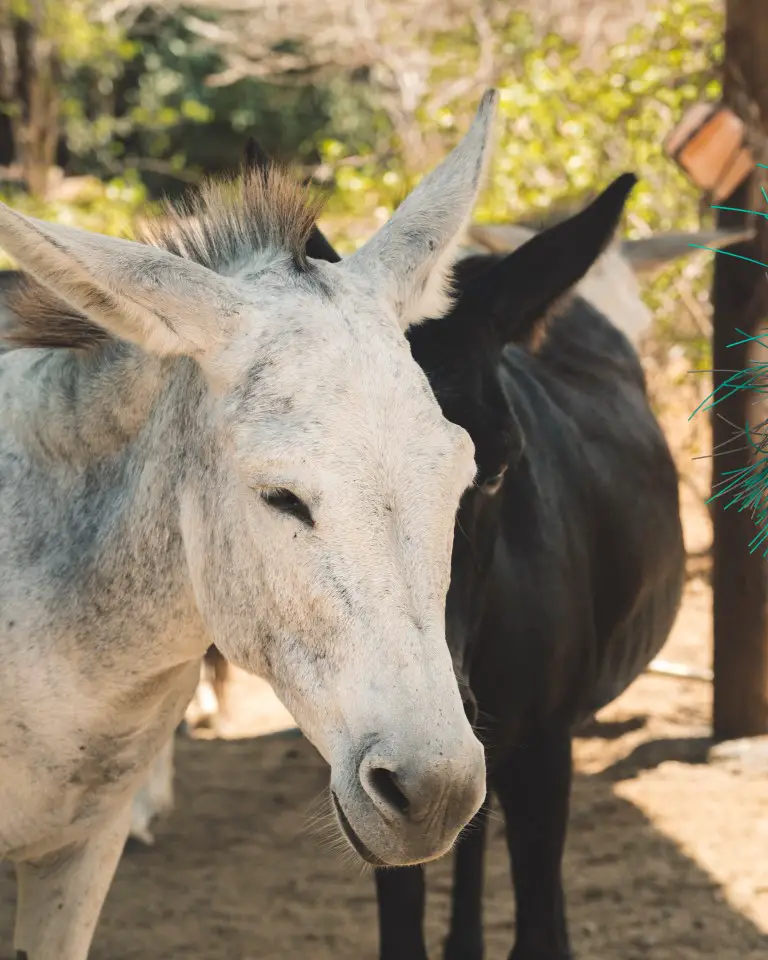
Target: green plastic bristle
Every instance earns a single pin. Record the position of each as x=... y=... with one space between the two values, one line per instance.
x=747 y=487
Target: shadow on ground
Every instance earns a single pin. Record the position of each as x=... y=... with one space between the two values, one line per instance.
x=236 y=875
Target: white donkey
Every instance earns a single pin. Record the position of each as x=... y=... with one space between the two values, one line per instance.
x=241 y=450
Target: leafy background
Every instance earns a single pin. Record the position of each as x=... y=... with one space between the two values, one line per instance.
x=147 y=97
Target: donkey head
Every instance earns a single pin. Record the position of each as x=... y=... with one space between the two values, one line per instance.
x=320 y=481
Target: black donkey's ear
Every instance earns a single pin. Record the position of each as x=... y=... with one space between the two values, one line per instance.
x=318 y=248
x=257 y=160
x=519 y=292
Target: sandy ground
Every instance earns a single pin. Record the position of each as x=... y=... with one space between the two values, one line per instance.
x=667 y=855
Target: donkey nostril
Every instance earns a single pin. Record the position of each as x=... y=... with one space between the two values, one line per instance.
x=384 y=782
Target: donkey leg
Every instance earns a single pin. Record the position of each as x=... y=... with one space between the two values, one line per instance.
x=400 y=893
x=220 y=670
x=155 y=796
x=465 y=939
x=534 y=789
x=209 y=707
x=60 y=896
x=203 y=708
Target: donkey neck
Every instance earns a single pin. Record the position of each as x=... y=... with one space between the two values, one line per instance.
x=97 y=456
x=77 y=408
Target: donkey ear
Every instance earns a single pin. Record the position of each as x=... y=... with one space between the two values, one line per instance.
x=257 y=162
x=318 y=248
x=10 y=281
x=163 y=303
x=257 y=159
x=413 y=253
x=519 y=292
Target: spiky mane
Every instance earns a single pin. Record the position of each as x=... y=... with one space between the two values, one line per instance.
x=221 y=225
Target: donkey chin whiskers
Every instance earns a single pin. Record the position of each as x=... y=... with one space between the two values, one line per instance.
x=357 y=844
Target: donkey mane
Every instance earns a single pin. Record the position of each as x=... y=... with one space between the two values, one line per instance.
x=220 y=225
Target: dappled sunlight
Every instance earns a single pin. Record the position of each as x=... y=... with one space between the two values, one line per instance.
x=716 y=817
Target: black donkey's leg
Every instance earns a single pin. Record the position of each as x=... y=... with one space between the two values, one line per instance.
x=534 y=786
x=400 y=893
x=465 y=939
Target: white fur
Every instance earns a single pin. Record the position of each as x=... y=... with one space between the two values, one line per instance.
x=140 y=283
x=134 y=533
x=414 y=251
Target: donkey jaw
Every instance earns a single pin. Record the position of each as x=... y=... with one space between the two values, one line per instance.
x=367 y=855
x=355 y=842
x=352 y=838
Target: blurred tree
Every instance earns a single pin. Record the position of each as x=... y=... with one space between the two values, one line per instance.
x=393 y=47
x=43 y=45
x=30 y=75
x=106 y=88
x=739 y=581
x=370 y=93
x=565 y=130
x=384 y=45
x=172 y=123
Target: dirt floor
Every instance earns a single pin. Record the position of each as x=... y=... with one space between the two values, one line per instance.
x=667 y=854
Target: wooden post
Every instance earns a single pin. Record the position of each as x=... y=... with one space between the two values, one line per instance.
x=740 y=298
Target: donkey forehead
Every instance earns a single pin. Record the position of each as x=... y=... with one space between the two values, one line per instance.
x=367 y=400
x=337 y=365
x=321 y=298
x=319 y=333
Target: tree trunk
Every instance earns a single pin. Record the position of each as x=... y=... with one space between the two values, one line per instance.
x=740 y=297
x=29 y=92
x=36 y=132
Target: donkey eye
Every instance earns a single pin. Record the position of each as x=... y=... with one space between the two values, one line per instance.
x=287 y=502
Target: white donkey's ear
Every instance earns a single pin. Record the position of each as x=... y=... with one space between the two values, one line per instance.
x=163 y=303
x=413 y=252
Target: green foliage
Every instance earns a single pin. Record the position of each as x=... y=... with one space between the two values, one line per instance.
x=566 y=131
x=139 y=101
x=746 y=487
x=124 y=107
x=159 y=113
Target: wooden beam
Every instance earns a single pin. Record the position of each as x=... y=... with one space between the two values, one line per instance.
x=740 y=298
